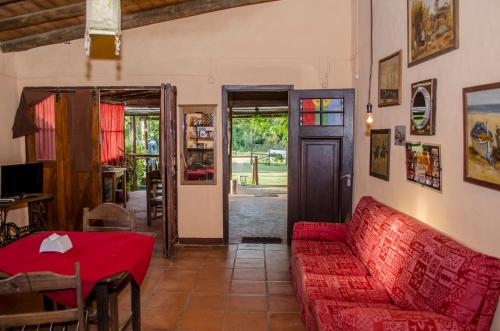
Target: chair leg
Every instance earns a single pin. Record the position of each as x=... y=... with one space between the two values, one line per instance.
x=113 y=303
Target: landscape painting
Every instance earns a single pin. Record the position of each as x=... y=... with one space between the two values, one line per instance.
x=482 y=135
x=432 y=29
x=380 y=150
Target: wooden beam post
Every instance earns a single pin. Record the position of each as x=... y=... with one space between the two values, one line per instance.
x=130 y=21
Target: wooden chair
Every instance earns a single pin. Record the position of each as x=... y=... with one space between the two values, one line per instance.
x=154 y=199
x=43 y=281
x=109 y=213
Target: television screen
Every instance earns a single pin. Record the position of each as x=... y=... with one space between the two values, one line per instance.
x=20 y=179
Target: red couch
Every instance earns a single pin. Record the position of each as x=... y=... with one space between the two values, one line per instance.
x=388 y=271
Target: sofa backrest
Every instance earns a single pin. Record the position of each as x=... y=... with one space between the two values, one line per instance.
x=381 y=237
x=447 y=278
x=423 y=269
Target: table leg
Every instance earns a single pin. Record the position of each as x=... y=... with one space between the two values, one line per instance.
x=136 y=306
x=113 y=187
x=102 y=298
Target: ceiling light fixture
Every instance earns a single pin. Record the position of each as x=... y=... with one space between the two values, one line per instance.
x=103 y=18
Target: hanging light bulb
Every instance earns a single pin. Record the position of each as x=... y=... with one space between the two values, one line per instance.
x=369 y=113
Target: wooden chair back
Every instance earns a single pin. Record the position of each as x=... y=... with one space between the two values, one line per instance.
x=109 y=212
x=43 y=281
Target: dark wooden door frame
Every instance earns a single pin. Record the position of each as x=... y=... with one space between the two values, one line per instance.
x=297 y=133
x=226 y=164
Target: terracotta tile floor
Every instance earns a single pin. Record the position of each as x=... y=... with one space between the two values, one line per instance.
x=223 y=288
x=230 y=288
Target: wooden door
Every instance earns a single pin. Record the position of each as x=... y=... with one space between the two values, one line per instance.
x=168 y=166
x=320 y=155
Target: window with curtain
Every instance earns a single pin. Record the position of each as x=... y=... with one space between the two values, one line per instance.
x=45 y=120
x=112 y=133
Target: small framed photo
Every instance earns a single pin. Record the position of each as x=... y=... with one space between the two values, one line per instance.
x=423 y=108
x=432 y=29
x=389 y=80
x=482 y=135
x=380 y=153
x=400 y=135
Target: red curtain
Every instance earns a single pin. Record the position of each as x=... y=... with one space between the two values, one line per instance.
x=112 y=133
x=45 y=120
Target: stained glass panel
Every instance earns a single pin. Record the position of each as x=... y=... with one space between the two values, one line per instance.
x=333 y=119
x=336 y=104
x=310 y=105
x=310 y=119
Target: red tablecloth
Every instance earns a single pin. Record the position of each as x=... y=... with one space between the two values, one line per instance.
x=100 y=255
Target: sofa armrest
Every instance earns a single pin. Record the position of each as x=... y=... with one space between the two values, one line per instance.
x=320 y=231
x=374 y=319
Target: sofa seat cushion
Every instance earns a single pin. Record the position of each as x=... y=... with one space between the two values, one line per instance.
x=325 y=314
x=341 y=288
x=339 y=265
x=320 y=248
x=381 y=319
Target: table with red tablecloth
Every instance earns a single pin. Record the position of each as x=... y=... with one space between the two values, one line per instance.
x=100 y=254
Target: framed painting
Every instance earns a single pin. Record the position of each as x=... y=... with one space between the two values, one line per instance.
x=389 y=80
x=432 y=29
x=482 y=135
x=423 y=165
x=380 y=152
x=423 y=108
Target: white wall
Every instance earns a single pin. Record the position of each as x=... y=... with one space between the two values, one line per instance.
x=307 y=44
x=466 y=212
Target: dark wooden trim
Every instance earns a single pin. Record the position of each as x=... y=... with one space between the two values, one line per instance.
x=201 y=241
x=456 y=44
x=465 y=134
x=130 y=21
x=6 y=2
x=226 y=166
x=399 y=54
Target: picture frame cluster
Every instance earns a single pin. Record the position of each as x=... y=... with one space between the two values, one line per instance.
x=433 y=30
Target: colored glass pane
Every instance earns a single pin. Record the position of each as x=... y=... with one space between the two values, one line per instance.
x=333 y=104
x=333 y=119
x=310 y=105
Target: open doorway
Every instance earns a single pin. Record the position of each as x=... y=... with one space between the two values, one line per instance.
x=257 y=164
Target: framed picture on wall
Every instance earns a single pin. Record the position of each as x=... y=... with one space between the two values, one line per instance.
x=423 y=108
x=380 y=153
x=400 y=135
x=423 y=165
x=482 y=135
x=389 y=80
x=432 y=29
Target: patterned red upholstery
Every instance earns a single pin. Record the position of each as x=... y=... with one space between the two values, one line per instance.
x=319 y=248
x=319 y=231
x=326 y=313
x=340 y=288
x=389 y=319
x=445 y=277
x=445 y=285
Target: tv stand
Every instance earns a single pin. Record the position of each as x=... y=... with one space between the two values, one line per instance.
x=37 y=208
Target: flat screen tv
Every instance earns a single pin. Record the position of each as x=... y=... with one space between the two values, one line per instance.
x=21 y=179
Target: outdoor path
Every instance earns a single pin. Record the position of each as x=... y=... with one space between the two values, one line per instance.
x=258 y=211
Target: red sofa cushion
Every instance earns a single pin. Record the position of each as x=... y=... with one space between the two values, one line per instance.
x=445 y=277
x=326 y=313
x=340 y=265
x=377 y=319
x=320 y=231
x=340 y=288
x=319 y=248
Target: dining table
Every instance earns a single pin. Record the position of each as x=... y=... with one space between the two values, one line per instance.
x=108 y=262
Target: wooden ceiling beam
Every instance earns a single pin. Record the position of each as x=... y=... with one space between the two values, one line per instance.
x=130 y=21
x=6 y=2
x=43 y=16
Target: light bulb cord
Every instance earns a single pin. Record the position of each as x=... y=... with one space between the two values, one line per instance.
x=371 y=54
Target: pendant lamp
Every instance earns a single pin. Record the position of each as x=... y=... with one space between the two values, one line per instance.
x=103 y=18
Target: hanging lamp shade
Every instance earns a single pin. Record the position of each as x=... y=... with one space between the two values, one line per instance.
x=103 y=17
